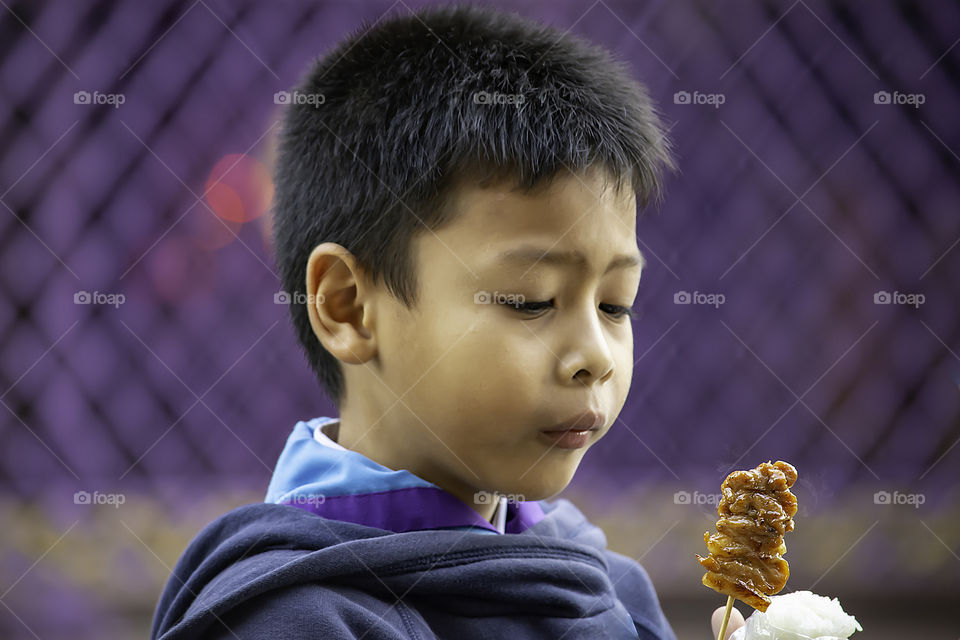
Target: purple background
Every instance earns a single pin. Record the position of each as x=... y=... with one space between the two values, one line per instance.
x=799 y=198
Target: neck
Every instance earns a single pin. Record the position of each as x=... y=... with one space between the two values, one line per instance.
x=348 y=436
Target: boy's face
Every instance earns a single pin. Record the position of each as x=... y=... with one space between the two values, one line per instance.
x=462 y=385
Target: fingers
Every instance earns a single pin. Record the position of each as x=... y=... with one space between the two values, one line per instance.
x=736 y=621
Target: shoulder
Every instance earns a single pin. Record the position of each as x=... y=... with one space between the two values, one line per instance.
x=630 y=580
x=315 y=611
x=635 y=590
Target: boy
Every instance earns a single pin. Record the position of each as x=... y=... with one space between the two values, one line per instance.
x=455 y=216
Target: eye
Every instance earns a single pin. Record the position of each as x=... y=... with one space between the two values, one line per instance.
x=529 y=308
x=618 y=311
x=534 y=308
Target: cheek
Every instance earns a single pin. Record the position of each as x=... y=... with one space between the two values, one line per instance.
x=498 y=365
x=487 y=370
x=624 y=363
x=624 y=354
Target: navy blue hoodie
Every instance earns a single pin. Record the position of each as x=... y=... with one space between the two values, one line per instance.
x=345 y=548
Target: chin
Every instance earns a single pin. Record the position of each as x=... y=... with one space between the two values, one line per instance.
x=545 y=486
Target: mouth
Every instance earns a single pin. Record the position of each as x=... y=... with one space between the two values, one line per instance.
x=576 y=432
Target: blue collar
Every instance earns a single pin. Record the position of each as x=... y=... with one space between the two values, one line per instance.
x=318 y=475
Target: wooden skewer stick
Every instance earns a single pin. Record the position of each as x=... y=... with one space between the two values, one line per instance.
x=726 y=618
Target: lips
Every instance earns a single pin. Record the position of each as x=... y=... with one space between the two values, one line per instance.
x=574 y=433
x=588 y=421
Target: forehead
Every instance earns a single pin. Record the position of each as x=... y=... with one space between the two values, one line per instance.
x=579 y=219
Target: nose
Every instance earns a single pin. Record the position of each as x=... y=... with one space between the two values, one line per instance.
x=587 y=356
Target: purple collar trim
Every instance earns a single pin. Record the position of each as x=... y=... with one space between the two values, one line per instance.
x=415 y=509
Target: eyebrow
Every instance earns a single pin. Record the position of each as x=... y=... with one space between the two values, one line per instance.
x=536 y=256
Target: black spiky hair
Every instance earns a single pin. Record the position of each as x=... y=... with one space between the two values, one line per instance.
x=380 y=130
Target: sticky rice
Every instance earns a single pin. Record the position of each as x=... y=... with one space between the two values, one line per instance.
x=800 y=615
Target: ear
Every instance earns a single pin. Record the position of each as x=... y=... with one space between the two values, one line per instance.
x=339 y=304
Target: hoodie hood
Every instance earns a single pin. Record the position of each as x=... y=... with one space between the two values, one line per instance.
x=553 y=577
